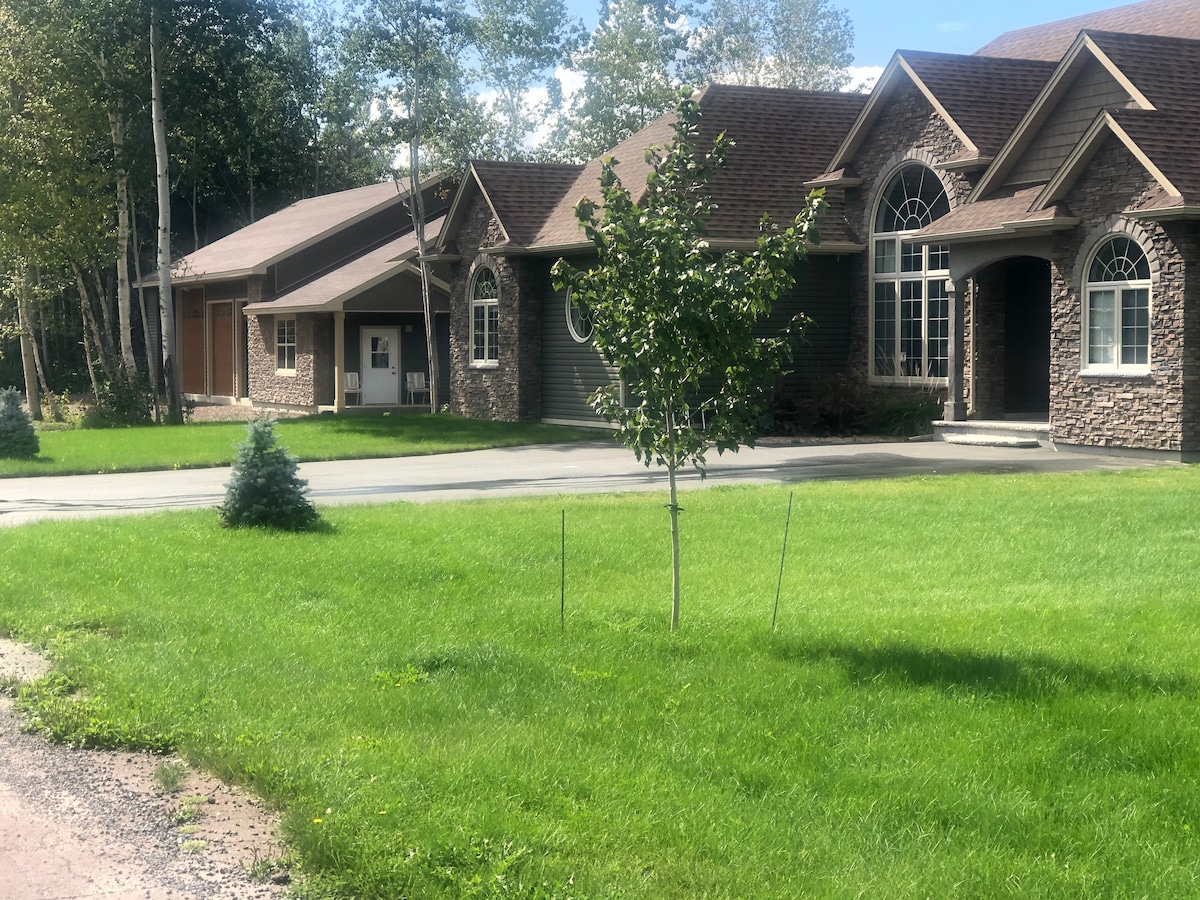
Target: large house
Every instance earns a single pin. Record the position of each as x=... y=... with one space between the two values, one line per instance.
x=1017 y=229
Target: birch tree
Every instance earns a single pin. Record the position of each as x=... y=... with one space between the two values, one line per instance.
x=418 y=46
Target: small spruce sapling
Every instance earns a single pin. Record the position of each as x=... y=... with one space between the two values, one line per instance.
x=18 y=440
x=264 y=489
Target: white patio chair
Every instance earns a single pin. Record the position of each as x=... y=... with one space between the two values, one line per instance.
x=417 y=385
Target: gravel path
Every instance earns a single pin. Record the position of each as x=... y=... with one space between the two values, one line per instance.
x=90 y=824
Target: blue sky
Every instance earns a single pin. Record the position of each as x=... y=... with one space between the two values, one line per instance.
x=946 y=26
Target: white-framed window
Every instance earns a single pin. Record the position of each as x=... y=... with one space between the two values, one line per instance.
x=910 y=307
x=579 y=321
x=485 y=319
x=1116 y=309
x=285 y=345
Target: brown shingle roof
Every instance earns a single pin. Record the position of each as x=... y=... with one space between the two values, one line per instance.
x=334 y=288
x=523 y=194
x=1168 y=18
x=986 y=97
x=1008 y=211
x=253 y=248
x=782 y=138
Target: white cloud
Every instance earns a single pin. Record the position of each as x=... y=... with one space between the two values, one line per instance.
x=863 y=78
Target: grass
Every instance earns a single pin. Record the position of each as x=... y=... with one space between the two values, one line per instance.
x=980 y=686
x=199 y=445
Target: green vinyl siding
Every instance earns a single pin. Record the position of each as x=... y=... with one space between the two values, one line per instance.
x=570 y=370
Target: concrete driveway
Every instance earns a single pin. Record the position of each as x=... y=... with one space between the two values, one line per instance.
x=551 y=469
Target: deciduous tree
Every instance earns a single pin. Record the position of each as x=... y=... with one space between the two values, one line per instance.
x=676 y=318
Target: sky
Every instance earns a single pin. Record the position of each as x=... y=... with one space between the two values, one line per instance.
x=945 y=26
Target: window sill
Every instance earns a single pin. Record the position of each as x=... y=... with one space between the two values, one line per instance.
x=485 y=364
x=286 y=373
x=907 y=381
x=1138 y=374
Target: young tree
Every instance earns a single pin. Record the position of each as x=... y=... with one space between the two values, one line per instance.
x=264 y=489
x=18 y=440
x=803 y=44
x=676 y=318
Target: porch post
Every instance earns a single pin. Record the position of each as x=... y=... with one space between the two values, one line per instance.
x=339 y=361
x=956 y=407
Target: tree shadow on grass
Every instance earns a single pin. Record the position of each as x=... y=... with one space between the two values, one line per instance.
x=1026 y=677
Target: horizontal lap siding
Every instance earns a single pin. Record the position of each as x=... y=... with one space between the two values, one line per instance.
x=571 y=371
x=822 y=292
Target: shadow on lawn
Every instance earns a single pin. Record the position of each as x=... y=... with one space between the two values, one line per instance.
x=1028 y=677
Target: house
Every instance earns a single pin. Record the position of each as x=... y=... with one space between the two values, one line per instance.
x=279 y=313
x=1017 y=229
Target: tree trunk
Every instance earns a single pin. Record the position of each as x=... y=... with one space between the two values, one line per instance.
x=147 y=337
x=116 y=122
x=673 y=507
x=104 y=343
x=28 y=365
x=89 y=327
x=166 y=302
x=416 y=206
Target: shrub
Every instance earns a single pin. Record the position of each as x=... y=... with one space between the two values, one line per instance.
x=18 y=440
x=121 y=404
x=847 y=404
x=264 y=489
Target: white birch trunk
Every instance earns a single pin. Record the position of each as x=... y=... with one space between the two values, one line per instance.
x=166 y=302
x=116 y=122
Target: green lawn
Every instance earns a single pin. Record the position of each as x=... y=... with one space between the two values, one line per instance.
x=76 y=452
x=979 y=687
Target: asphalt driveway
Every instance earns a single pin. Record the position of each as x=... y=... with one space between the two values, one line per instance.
x=549 y=469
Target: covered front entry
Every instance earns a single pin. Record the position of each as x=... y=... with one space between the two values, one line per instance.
x=1010 y=334
x=381 y=366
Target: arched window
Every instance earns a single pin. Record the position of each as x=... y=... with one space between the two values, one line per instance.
x=579 y=321
x=485 y=319
x=1116 y=326
x=910 y=317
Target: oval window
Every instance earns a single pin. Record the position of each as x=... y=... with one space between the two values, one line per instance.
x=579 y=322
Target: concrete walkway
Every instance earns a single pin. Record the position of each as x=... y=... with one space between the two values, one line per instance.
x=552 y=469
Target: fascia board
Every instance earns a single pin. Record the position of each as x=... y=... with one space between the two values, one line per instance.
x=1005 y=229
x=1158 y=215
x=205 y=277
x=1142 y=101
x=937 y=106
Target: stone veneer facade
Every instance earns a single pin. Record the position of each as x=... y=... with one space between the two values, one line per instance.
x=511 y=390
x=909 y=130
x=1159 y=411
x=267 y=384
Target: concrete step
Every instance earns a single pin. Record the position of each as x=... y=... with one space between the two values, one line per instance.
x=991 y=433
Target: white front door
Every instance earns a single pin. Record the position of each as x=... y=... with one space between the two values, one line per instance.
x=380 y=365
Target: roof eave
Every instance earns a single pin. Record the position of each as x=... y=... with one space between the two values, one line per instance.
x=839 y=181
x=1186 y=211
x=1005 y=229
x=205 y=277
x=965 y=165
